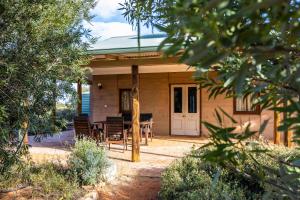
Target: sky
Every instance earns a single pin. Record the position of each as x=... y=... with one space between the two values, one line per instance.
x=109 y=22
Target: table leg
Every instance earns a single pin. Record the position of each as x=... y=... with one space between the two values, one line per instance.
x=146 y=137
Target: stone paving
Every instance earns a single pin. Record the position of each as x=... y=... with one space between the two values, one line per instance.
x=139 y=180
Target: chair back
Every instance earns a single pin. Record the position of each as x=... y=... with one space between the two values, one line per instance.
x=127 y=116
x=82 y=126
x=146 y=117
x=115 y=128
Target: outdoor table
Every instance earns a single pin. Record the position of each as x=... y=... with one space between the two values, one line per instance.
x=143 y=124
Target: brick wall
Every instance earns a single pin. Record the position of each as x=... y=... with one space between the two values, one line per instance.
x=154 y=98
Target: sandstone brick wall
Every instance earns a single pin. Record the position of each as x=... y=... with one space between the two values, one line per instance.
x=209 y=106
x=154 y=98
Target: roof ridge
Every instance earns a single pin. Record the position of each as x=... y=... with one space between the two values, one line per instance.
x=121 y=36
x=144 y=35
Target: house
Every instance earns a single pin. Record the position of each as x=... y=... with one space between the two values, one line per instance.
x=166 y=89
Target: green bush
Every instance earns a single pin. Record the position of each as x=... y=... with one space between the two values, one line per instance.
x=48 y=182
x=66 y=113
x=189 y=178
x=88 y=161
x=64 y=116
x=17 y=175
x=42 y=126
x=193 y=178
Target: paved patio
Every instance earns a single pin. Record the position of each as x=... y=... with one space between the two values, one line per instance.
x=135 y=180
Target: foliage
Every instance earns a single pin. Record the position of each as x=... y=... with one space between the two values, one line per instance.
x=86 y=165
x=188 y=179
x=47 y=181
x=66 y=114
x=17 y=175
x=64 y=117
x=42 y=50
x=88 y=161
x=252 y=47
x=278 y=168
x=194 y=178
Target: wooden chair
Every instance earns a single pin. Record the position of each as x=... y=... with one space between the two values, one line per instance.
x=127 y=117
x=148 y=128
x=83 y=128
x=115 y=132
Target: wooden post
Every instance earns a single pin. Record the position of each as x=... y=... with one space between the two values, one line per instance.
x=288 y=138
x=276 y=124
x=135 y=114
x=287 y=133
x=79 y=100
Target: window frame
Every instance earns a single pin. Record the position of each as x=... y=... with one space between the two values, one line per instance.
x=181 y=101
x=195 y=102
x=120 y=101
x=257 y=110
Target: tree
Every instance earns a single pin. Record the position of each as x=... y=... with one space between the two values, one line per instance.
x=42 y=46
x=254 y=46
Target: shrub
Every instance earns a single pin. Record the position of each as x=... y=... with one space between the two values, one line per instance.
x=17 y=175
x=49 y=182
x=66 y=113
x=88 y=161
x=189 y=178
x=193 y=178
x=64 y=117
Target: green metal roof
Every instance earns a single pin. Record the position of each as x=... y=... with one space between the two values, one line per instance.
x=127 y=44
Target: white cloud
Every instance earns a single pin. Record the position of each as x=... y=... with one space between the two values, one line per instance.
x=109 y=29
x=106 y=8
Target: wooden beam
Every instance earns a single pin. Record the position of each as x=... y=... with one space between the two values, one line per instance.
x=135 y=114
x=114 y=56
x=126 y=63
x=276 y=124
x=79 y=98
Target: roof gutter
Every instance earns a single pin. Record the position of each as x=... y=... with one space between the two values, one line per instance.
x=125 y=50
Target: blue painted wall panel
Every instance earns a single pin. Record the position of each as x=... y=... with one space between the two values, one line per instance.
x=86 y=103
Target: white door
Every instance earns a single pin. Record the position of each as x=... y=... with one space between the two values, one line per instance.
x=185 y=118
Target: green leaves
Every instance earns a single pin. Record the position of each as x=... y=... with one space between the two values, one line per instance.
x=230 y=149
x=88 y=162
x=40 y=42
x=226 y=140
x=240 y=48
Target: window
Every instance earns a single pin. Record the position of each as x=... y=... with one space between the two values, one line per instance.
x=192 y=99
x=242 y=105
x=178 y=100
x=125 y=101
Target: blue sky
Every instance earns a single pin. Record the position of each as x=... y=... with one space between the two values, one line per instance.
x=109 y=22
